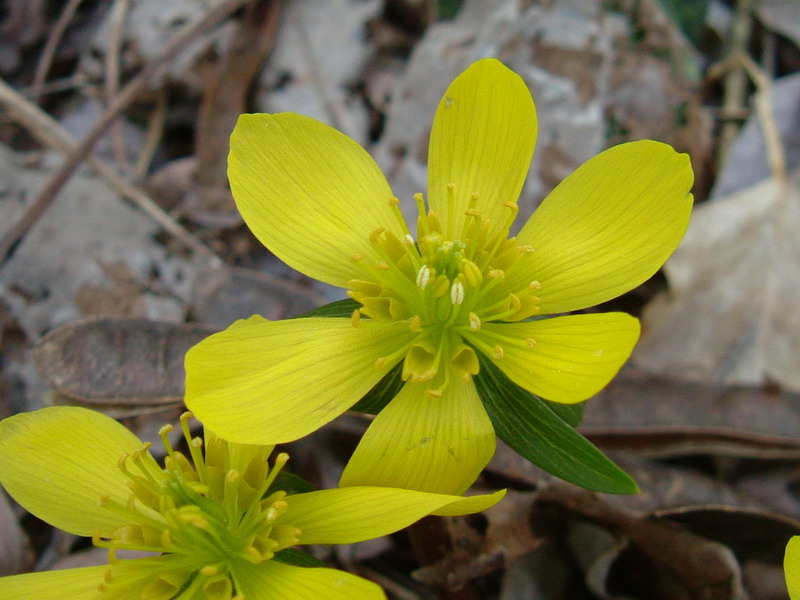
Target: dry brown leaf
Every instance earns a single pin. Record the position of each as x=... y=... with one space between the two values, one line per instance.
x=118 y=361
x=732 y=313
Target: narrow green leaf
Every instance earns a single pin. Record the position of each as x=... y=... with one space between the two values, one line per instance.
x=340 y=308
x=528 y=424
x=383 y=392
x=298 y=558
x=571 y=414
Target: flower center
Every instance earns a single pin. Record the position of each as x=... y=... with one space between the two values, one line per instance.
x=444 y=288
x=198 y=513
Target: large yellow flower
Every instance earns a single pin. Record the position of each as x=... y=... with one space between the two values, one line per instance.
x=217 y=522
x=435 y=298
x=791 y=567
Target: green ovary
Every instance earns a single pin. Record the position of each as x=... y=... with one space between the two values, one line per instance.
x=445 y=289
x=200 y=516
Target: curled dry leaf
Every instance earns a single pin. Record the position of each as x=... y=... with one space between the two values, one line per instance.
x=732 y=313
x=118 y=361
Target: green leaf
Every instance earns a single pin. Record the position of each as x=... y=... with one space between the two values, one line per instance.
x=571 y=414
x=298 y=558
x=340 y=308
x=379 y=396
x=289 y=483
x=531 y=427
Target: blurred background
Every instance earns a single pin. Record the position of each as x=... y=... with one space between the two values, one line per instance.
x=120 y=247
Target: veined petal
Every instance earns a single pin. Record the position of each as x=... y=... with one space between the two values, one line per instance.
x=563 y=359
x=75 y=584
x=422 y=443
x=262 y=382
x=272 y=580
x=482 y=141
x=309 y=193
x=57 y=462
x=354 y=514
x=607 y=227
x=791 y=567
x=122 y=581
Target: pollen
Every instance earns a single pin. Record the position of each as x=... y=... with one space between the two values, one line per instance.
x=190 y=511
x=445 y=283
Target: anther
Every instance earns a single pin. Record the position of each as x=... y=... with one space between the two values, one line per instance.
x=535 y=285
x=531 y=342
x=496 y=274
x=408 y=239
x=474 y=321
x=394 y=201
x=415 y=325
x=380 y=362
x=434 y=393
x=423 y=276
x=209 y=570
x=498 y=352
x=382 y=266
x=457 y=292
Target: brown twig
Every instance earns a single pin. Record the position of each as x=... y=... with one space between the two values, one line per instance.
x=155 y=129
x=188 y=34
x=111 y=81
x=50 y=133
x=46 y=60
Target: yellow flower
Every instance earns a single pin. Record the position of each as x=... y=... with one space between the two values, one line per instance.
x=791 y=567
x=216 y=524
x=434 y=298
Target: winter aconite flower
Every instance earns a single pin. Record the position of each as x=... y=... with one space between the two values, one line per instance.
x=216 y=522
x=435 y=296
x=791 y=567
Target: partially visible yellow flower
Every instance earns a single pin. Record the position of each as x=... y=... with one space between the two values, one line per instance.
x=434 y=298
x=213 y=520
x=791 y=567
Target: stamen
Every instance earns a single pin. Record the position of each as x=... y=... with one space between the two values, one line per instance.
x=416 y=324
x=356 y=318
x=435 y=393
x=409 y=239
x=531 y=342
x=474 y=321
x=496 y=274
x=535 y=285
x=423 y=276
x=498 y=352
x=457 y=292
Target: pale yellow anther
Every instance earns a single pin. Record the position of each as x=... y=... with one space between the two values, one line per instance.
x=471 y=212
x=434 y=393
x=498 y=352
x=415 y=325
x=531 y=342
x=535 y=285
x=423 y=277
x=382 y=266
x=526 y=249
x=514 y=303
x=408 y=239
x=474 y=321
x=379 y=364
x=356 y=318
x=496 y=274
x=457 y=292
x=511 y=205
x=394 y=201
x=209 y=570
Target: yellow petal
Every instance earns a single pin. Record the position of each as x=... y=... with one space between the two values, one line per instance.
x=57 y=462
x=563 y=359
x=791 y=566
x=309 y=193
x=422 y=443
x=482 y=141
x=607 y=227
x=75 y=584
x=261 y=382
x=272 y=580
x=354 y=514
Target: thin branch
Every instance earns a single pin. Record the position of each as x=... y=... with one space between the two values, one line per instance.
x=50 y=133
x=128 y=94
x=46 y=60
